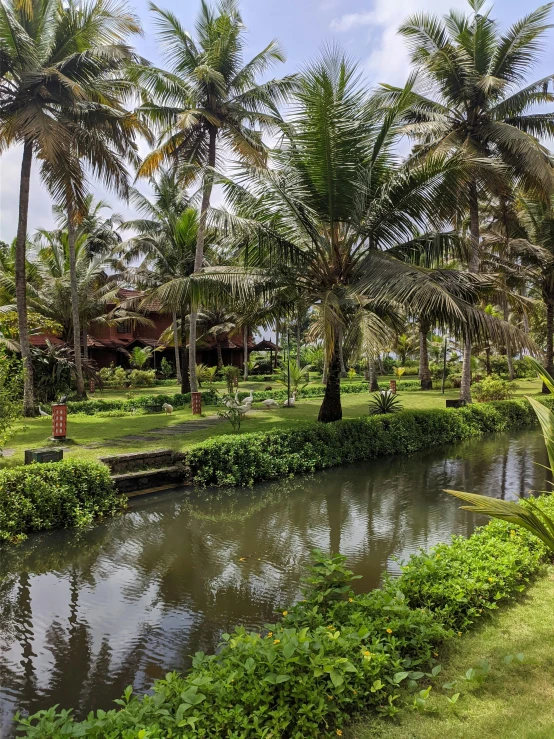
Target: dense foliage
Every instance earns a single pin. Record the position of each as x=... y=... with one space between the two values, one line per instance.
x=249 y=458
x=332 y=655
x=91 y=407
x=54 y=495
x=493 y=388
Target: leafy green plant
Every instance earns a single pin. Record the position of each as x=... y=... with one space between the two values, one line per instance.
x=140 y=356
x=233 y=415
x=493 y=387
x=399 y=371
x=351 y=373
x=142 y=378
x=11 y=391
x=526 y=514
x=383 y=402
x=205 y=374
x=231 y=375
x=166 y=368
x=299 y=376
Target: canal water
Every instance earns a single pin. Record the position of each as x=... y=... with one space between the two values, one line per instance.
x=83 y=614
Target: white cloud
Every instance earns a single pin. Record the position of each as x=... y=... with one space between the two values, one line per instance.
x=388 y=56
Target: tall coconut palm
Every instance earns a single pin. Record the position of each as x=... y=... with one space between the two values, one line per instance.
x=209 y=102
x=167 y=232
x=57 y=80
x=321 y=222
x=478 y=106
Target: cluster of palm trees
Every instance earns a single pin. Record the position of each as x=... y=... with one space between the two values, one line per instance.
x=330 y=221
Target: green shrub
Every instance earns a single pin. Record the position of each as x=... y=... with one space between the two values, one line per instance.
x=332 y=655
x=113 y=377
x=250 y=458
x=142 y=378
x=54 y=495
x=493 y=387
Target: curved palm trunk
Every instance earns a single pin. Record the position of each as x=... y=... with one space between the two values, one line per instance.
x=185 y=378
x=71 y=237
x=21 y=280
x=425 y=378
x=372 y=374
x=176 y=345
x=549 y=356
x=331 y=409
x=465 y=388
x=219 y=354
x=199 y=257
x=341 y=354
x=245 y=352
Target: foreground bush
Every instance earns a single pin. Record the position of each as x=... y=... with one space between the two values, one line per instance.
x=54 y=495
x=250 y=458
x=91 y=407
x=493 y=387
x=332 y=655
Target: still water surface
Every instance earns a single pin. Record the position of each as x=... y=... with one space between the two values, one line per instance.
x=84 y=614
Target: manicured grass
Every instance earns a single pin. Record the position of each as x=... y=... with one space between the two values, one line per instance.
x=516 y=701
x=84 y=430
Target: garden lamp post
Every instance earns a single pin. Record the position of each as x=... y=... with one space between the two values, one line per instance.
x=444 y=363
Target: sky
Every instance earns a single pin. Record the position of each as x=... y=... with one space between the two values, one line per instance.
x=366 y=29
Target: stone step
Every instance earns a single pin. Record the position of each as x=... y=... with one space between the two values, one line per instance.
x=138 y=482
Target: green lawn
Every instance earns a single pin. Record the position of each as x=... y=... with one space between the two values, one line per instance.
x=85 y=430
x=516 y=701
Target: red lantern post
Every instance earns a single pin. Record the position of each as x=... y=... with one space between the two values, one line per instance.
x=196 y=402
x=59 y=421
x=392 y=386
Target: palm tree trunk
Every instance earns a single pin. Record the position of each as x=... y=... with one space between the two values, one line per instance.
x=85 y=343
x=373 y=384
x=549 y=357
x=245 y=352
x=21 y=280
x=219 y=354
x=473 y=266
x=298 y=340
x=185 y=377
x=331 y=409
x=176 y=344
x=341 y=354
x=465 y=387
x=71 y=238
x=276 y=342
x=509 y=357
x=325 y=370
x=199 y=257
x=425 y=378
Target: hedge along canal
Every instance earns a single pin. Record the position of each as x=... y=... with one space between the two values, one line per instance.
x=86 y=612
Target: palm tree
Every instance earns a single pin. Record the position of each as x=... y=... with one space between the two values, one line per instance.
x=57 y=82
x=217 y=322
x=208 y=100
x=478 y=108
x=166 y=239
x=319 y=224
x=140 y=356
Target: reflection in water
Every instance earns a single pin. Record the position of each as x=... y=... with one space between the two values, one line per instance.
x=83 y=614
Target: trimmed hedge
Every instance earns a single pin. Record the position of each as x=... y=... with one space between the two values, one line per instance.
x=248 y=458
x=331 y=656
x=54 y=495
x=90 y=407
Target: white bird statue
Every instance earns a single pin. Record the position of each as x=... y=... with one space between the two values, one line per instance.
x=167 y=408
x=243 y=409
x=43 y=413
x=270 y=403
x=291 y=401
x=249 y=399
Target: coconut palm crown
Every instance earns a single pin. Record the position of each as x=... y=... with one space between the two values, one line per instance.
x=208 y=103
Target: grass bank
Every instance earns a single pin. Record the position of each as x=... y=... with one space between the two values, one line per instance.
x=108 y=435
x=515 y=701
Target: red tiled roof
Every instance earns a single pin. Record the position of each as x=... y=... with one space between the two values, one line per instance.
x=40 y=339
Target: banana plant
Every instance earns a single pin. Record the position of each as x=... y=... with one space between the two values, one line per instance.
x=530 y=516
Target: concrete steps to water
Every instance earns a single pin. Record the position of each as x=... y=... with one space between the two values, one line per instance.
x=140 y=473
